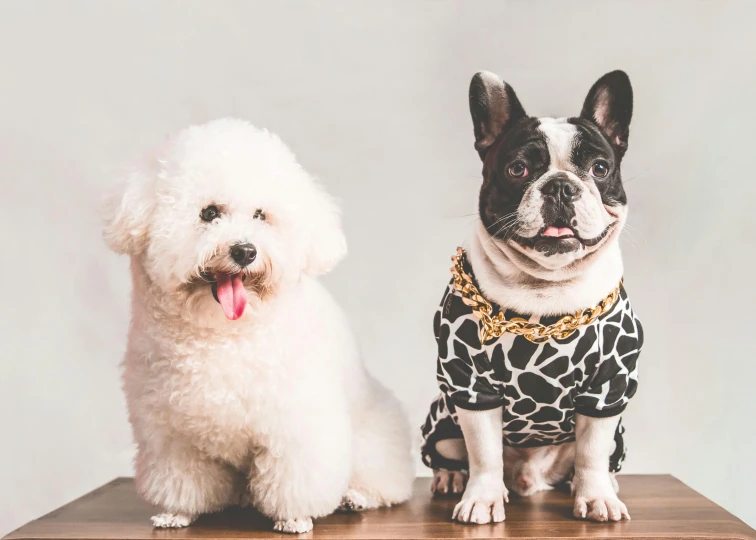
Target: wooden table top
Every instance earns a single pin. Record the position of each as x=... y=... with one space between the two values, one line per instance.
x=661 y=507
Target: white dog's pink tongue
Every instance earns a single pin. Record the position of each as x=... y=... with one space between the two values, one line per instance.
x=231 y=294
x=558 y=232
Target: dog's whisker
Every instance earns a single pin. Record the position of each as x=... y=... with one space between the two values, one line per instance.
x=635 y=233
x=502 y=218
x=629 y=237
x=509 y=226
x=496 y=234
x=628 y=180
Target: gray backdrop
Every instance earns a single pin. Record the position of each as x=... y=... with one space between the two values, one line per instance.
x=372 y=98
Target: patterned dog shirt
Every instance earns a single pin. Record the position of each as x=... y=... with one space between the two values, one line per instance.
x=593 y=372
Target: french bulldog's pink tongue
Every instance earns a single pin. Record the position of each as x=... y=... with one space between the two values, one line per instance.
x=558 y=232
x=231 y=294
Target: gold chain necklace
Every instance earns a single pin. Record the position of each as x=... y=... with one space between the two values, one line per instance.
x=493 y=326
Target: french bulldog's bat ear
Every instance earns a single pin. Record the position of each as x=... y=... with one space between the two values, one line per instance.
x=494 y=107
x=609 y=105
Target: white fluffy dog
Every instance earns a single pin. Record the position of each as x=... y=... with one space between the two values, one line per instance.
x=242 y=379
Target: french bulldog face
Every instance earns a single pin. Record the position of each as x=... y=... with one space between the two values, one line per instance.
x=552 y=188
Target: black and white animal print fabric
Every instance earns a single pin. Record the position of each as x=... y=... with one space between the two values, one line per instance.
x=593 y=372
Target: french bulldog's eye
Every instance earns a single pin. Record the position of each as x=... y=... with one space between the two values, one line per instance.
x=259 y=214
x=600 y=169
x=517 y=170
x=209 y=213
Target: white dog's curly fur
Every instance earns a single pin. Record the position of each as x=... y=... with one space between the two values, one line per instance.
x=274 y=408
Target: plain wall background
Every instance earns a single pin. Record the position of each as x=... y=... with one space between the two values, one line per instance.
x=372 y=96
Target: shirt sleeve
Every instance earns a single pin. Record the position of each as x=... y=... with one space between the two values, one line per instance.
x=464 y=371
x=615 y=378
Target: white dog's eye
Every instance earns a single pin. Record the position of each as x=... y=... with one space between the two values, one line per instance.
x=600 y=169
x=259 y=214
x=209 y=213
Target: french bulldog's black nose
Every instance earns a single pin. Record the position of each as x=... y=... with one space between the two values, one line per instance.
x=243 y=254
x=561 y=187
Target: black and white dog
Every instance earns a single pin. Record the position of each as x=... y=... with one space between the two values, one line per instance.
x=523 y=415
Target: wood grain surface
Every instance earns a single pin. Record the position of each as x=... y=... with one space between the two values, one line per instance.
x=661 y=507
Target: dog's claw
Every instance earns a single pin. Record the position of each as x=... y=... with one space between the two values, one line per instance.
x=601 y=510
x=354 y=501
x=446 y=482
x=479 y=512
x=293 y=526
x=168 y=520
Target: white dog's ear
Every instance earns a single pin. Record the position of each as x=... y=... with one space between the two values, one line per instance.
x=327 y=243
x=126 y=213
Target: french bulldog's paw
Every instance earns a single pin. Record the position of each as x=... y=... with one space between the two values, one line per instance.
x=355 y=501
x=293 y=526
x=596 y=498
x=448 y=482
x=483 y=501
x=601 y=509
x=169 y=520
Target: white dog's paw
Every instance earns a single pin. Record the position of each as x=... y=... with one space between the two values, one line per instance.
x=168 y=520
x=600 y=509
x=293 y=526
x=446 y=482
x=596 y=499
x=355 y=501
x=483 y=501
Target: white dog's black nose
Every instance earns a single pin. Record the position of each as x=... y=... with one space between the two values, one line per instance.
x=243 y=254
x=561 y=187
